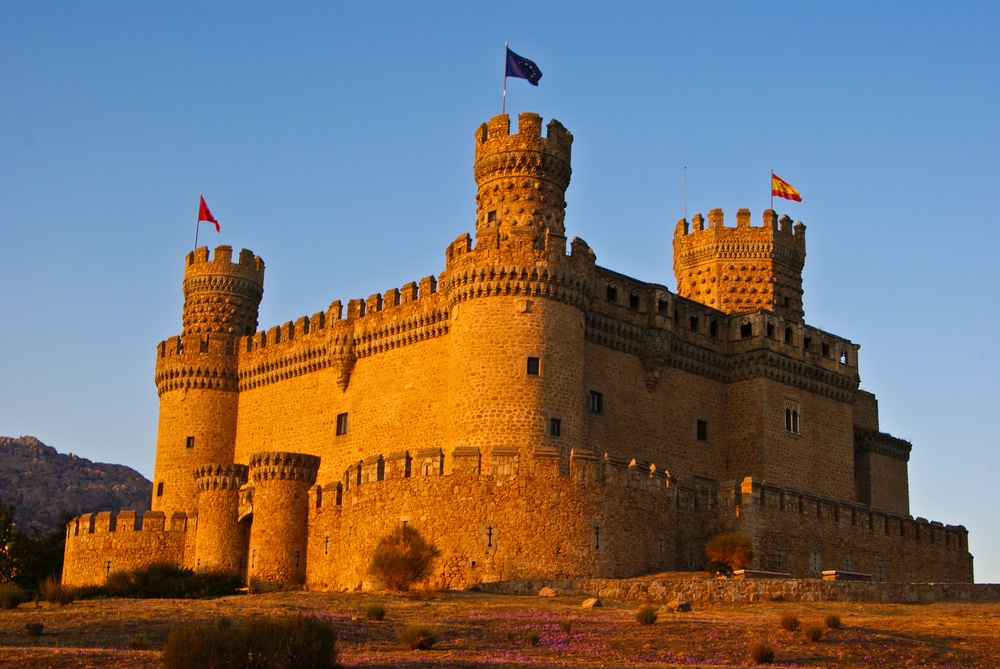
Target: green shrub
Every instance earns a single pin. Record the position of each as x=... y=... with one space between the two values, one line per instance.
x=417 y=637
x=138 y=642
x=375 y=612
x=35 y=629
x=534 y=638
x=813 y=632
x=11 y=596
x=832 y=621
x=761 y=652
x=789 y=622
x=510 y=636
x=566 y=625
x=646 y=615
x=164 y=581
x=205 y=646
x=402 y=558
x=294 y=642
x=734 y=549
x=54 y=592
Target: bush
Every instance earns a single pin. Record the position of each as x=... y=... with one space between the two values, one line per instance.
x=565 y=625
x=35 y=629
x=789 y=622
x=510 y=636
x=402 y=558
x=832 y=621
x=761 y=652
x=813 y=632
x=295 y=642
x=534 y=638
x=193 y=645
x=375 y=612
x=646 y=615
x=734 y=549
x=54 y=592
x=417 y=637
x=138 y=642
x=11 y=596
x=716 y=567
x=164 y=581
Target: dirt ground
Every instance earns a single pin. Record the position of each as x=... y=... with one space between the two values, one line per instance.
x=480 y=630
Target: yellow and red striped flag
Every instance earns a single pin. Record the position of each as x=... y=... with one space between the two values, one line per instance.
x=782 y=188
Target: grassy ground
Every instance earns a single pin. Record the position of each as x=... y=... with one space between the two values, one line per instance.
x=474 y=629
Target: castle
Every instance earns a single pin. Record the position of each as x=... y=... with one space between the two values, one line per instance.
x=531 y=413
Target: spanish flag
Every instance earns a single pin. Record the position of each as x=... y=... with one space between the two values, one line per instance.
x=782 y=188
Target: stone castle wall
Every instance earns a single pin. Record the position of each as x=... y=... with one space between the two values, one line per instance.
x=100 y=543
x=505 y=516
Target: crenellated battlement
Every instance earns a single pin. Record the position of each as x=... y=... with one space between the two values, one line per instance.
x=504 y=463
x=221 y=476
x=283 y=466
x=127 y=521
x=222 y=297
x=743 y=268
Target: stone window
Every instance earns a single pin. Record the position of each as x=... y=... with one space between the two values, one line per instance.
x=788 y=335
x=633 y=302
x=555 y=427
x=807 y=343
x=595 y=402
x=746 y=331
x=880 y=573
x=815 y=563
x=779 y=559
x=612 y=293
x=702 y=430
x=203 y=346
x=661 y=307
x=159 y=489
x=792 y=417
x=770 y=330
x=843 y=356
x=341 y=424
x=825 y=349
x=491 y=216
x=534 y=366
x=713 y=328
x=189 y=442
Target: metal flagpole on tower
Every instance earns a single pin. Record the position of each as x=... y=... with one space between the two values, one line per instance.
x=685 y=193
x=198 y=224
x=772 y=190
x=506 y=48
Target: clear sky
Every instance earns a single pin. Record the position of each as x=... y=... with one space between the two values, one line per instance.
x=335 y=140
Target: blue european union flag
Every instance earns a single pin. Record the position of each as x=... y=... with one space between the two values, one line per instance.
x=522 y=68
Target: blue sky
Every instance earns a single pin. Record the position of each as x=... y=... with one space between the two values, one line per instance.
x=336 y=140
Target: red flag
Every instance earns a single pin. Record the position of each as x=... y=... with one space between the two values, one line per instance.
x=205 y=215
x=782 y=188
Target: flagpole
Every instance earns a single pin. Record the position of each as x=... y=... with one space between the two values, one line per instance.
x=198 y=224
x=772 y=190
x=685 y=193
x=506 y=48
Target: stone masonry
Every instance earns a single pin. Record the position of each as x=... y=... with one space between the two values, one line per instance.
x=533 y=414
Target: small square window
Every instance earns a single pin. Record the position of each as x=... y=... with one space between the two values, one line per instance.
x=702 y=430
x=159 y=489
x=533 y=366
x=746 y=331
x=491 y=217
x=595 y=402
x=341 y=424
x=189 y=442
x=661 y=307
x=555 y=427
x=612 y=294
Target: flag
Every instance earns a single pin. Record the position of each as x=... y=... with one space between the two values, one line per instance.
x=205 y=215
x=522 y=68
x=782 y=188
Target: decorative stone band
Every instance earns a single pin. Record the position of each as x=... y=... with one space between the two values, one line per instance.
x=221 y=476
x=191 y=371
x=559 y=283
x=284 y=466
x=881 y=443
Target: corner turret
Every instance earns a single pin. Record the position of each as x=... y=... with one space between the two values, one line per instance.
x=743 y=268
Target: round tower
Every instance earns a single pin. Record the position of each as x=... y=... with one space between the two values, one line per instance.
x=517 y=301
x=743 y=268
x=196 y=373
x=279 y=530
x=221 y=541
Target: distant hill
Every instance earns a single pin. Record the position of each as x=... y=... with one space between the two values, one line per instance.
x=39 y=482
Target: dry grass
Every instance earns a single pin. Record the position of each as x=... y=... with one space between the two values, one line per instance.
x=471 y=628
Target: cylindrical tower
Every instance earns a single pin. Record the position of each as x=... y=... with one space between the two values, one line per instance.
x=221 y=541
x=196 y=373
x=279 y=530
x=517 y=300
